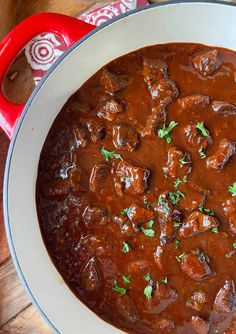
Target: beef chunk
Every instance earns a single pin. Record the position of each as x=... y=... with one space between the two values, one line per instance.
x=96 y=129
x=125 y=138
x=138 y=213
x=97 y=245
x=174 y=166
x=200 y=325
x=167 y=216
x=94 y=216
x=206 y=63
x=112 y=82
x=229 y=207
x=224 y=108
x=195 y=265
x=109 y=107
x=126 y=309
x=162 y=297
x=222 y=155
x=157 y=116
x=194 y=101
x=99 y=176
x=197 y=301
x=127 y=228
x=158 y=255
x=74 y=175
x=81 y=135
x=162 y=89
x=164 y=325
x=197 y=222
x=194 y=197
x=56 y=187
x=133 y=177
x=225 y=300
x=193 y=137
x=90 y=277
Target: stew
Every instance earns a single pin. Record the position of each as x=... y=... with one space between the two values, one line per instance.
x=136 y=191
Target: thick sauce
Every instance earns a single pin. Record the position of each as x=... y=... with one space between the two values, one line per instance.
x=136 y=195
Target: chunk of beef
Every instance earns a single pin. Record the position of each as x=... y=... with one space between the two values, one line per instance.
x=96 y=129
x=229 y=207
x=139 y=214
x=74 y=175
x=56 y=187
x=133 y=177
x=89 y=276
x=222 y=155
x=97 y=245
x=112 y=82
x=109 y=107
x=165 y=325
x=154 y=70
x=175 y=168
x=94 y=216
x=126 y=309
x=197 y=222
x=200 y=325
x=225 y=300
x=194 y=101
x=157 y=116
x=193 y=137
x=81 y=135
x=127 y=228
x=194 y=197
x=167 y=216
x=162 y=297
x=224 y=108
x=99 y=175
x=158 y=256
x=125 y=137
x=207 y=63
x=195 y=265
x=197 y=301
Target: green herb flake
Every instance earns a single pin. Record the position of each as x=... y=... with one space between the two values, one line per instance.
x=125 y=212
x=177 y=242
x=150 y=223
x=176 y=224
x=232 y=189
x=149 y=232
x=201 y=153
x=202 y=256
x=147 y=204
x=160 y=200
x=207 y=211
x=185 y=178
x=147 y=277
x=148 y=291
x=177 y=183
x=165 y=280
x=126 y=247
x=214 y=229
x=200 y=126
x=117 y=288
x=110 y=154
x=234 y=245
x=175 y=196
x=180 y=257
x=165 y=131
x=182 y=160
x=126 y=279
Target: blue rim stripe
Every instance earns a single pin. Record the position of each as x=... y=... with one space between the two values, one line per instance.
x=27 y=106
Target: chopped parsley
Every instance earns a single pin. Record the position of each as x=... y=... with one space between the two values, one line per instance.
x=165 y=131
x=177 y=183
x=207 y=211
x=214 y=229
x=182 y=160
x=185 y=178
x=147 y=204
x=163 y=204
x=176 y=224
x=165 y=280
x=150 y=223
x=126 y=247
x=202 y=256
x=148 y=291
x=177 y=242
x=160 y=200
x=118 y=288
x=180 y=257
x=110 y=154
x=200 y=126
x=232 y=189
x=201 y=153
x=234 y=245
x=175 y=196
x=126 y=279
x=125 y=212
x=149 y=232
x=147 y=277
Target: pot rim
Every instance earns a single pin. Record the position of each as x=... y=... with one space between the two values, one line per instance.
x=21 y=119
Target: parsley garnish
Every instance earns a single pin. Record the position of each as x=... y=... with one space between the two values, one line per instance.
x=165 y=131
x=185 y=178
x=201 y=153
x=117 y=288
x=160 y=200
x=126 y=247
x=150 y=223
x=147 y=277
x=177 y=183
x=234 y=245
x=200 y=126
x=110 y=154
x=149 y=232
x=176 y=224
x=148 y=291
x=214 y=229
x=165 y=280
x=202 y=256
x=232 y=189
x=175 y=196
x=208 y=211
x=180 y=257
x=182 y=160
x=177 y=242
x=126 y=279
x=125 y=212
x=147 y=204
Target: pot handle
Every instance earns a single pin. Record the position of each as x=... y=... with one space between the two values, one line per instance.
x=70 y=29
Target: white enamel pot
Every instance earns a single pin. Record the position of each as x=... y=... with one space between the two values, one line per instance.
x=210 y=23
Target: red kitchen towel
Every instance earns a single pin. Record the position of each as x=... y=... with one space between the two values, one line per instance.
x=43 y=50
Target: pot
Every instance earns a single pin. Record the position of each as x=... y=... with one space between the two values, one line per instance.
x=199 y=22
